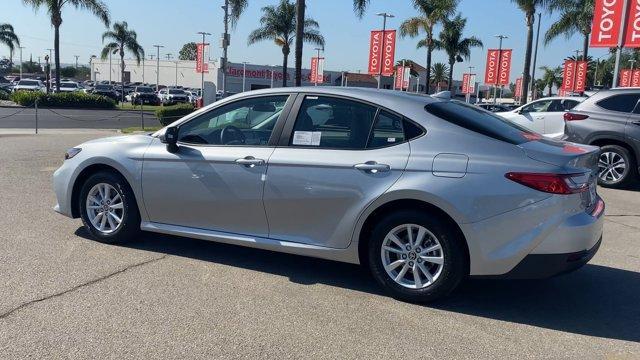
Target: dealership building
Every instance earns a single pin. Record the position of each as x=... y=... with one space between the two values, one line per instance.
x=183 y=73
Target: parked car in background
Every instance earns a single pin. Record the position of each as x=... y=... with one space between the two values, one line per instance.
x=422 y=191
x=494 y=107
x=544 y=116
x=5 y=84
x=106 y=90
x=609 y=119
x=70 y=86
x=170 y=96
x=192 y=95
x=29 y=85
x=144 y=95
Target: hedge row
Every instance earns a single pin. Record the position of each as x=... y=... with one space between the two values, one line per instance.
x=168 y=114
x=78 y=100
x=4 y=95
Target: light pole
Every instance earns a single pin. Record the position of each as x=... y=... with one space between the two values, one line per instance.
x=225 y=45
x=244 y=75
x=21 y=47
x=384 y=28
x=468 y=95
x=575 y=71
x=158 y=65
x=169 y=56
x=176 y=73
x=495 y=90
x=315 y=82
x=76 y=56
x=621 y=36
x=272 y=67
x=204 y=34
x=50 y=67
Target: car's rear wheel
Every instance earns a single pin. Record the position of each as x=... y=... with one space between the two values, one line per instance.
x=416 y=257
x=616 y=167
x=108 y=208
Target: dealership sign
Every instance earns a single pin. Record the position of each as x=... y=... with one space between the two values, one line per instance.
x=382 y=48
x=403 y=75
x=629 y=78
x=607 y=23
x=498 y=67
x=468 y=83
x=317 y=70
x=201 y=65
x=518 y=87
x=574 y=76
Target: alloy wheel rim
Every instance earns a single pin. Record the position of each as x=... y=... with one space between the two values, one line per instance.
x=412 y=256
x=105 y=208
x=611 y=167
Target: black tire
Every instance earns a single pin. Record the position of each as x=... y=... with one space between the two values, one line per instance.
x=130 y=225
x=454 y=268
x=630 y=173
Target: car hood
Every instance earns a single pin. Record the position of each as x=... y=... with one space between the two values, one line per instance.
x=122 y=139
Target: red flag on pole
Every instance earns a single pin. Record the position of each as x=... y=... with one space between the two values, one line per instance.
x=625 y=78
x=568 y=76
x=518 y=87
x=491 y=70
x=632 y=27
x=201 y=65
x=505 y=67
x=607 y=18
x=581 y=77
x=379 y=57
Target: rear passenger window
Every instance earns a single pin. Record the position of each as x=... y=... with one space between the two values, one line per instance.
x=387 y=131
x=622 y=103
x=333 y=123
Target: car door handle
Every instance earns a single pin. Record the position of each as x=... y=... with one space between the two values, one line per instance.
x=250 y=161
x=372 y=167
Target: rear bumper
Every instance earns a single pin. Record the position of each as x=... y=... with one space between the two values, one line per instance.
x=542 y=266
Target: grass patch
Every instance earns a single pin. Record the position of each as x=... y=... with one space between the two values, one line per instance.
x=133 y=129
x=129 y=106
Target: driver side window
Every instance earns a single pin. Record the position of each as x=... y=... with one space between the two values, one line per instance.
x=538 y=106
x=244 y=122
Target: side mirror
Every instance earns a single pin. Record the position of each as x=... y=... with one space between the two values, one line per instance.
x=170 y=138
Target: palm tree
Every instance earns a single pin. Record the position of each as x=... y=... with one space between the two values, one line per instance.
x=575 y=16
x=122 y=39
x=9 y=38
x=431 y=13
x=278 y=23
x=54 y=8
x=439 y=73
x=451 y=41
x=529 y=7
x=551 y=77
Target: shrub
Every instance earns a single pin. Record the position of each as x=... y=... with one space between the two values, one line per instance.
x=4 y=95
x=168 y=114
x=78 y=100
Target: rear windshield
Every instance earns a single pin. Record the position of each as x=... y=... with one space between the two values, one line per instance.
x=144 y=89
x=68 y=85
x=481 y=121
x=176 y=92
x=28 y=83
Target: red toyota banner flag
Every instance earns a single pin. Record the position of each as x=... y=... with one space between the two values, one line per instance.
x=635 y=78
x=568 y=76
x=314 y=70
x=632 y=27
x=320 y=70
x=505 y=67
x=201 y=65
x=399 y=78
x=518 y=87
x=625 y=78
x=389 y=52
x=491 y=70
x=561 y=92
x=581 y=77
x=375 y=51
x=465 y=83
x=607 y=18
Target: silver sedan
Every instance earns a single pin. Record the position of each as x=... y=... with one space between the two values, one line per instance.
x=424 y=191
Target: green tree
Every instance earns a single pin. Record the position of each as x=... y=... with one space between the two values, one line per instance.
x=9 y=38
x=576 y=16
x=54 y=9
x=122 y=38
x=431 y=12
x=529 y=8
x=439 y=73
x=188 y=51
x=68 y=72
x=278 y=23
x=551 y=77
x=452 y=42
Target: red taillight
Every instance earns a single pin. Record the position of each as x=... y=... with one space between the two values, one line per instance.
x=569 y=116
x=549 y=183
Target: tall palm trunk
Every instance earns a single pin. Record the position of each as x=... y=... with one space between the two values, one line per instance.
x=526 y=77
x=56 y=50
x=429 y=52
x=122 y=72
x=300 y=7
x=285 y=60
x=451 y=63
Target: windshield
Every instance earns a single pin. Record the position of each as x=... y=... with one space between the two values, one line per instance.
x=481 y=121
x=144 y=89
x=69 y=85
x=176 y=92
x=28 y=83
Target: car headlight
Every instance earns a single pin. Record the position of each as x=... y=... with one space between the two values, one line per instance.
x=71 y=153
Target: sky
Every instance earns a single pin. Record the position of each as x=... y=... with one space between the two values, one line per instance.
x=174 y=22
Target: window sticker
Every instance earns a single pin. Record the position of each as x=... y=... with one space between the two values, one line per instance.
x=316 y=136
x=302 y=138
x=391 y=140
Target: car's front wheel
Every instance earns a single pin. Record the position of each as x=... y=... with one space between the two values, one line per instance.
x=416 y=257
x=616 y=167
x=108 y=208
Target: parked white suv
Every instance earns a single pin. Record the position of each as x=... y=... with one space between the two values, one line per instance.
x=29 y=85
x=544 y=116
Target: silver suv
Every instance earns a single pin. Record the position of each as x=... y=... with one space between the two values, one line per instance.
x=421 y=190
x=609 y=119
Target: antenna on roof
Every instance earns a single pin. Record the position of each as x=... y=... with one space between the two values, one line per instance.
x=444 y=95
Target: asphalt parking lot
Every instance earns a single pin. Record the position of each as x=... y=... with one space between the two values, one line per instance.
x=64 y=295
x=25 y=118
